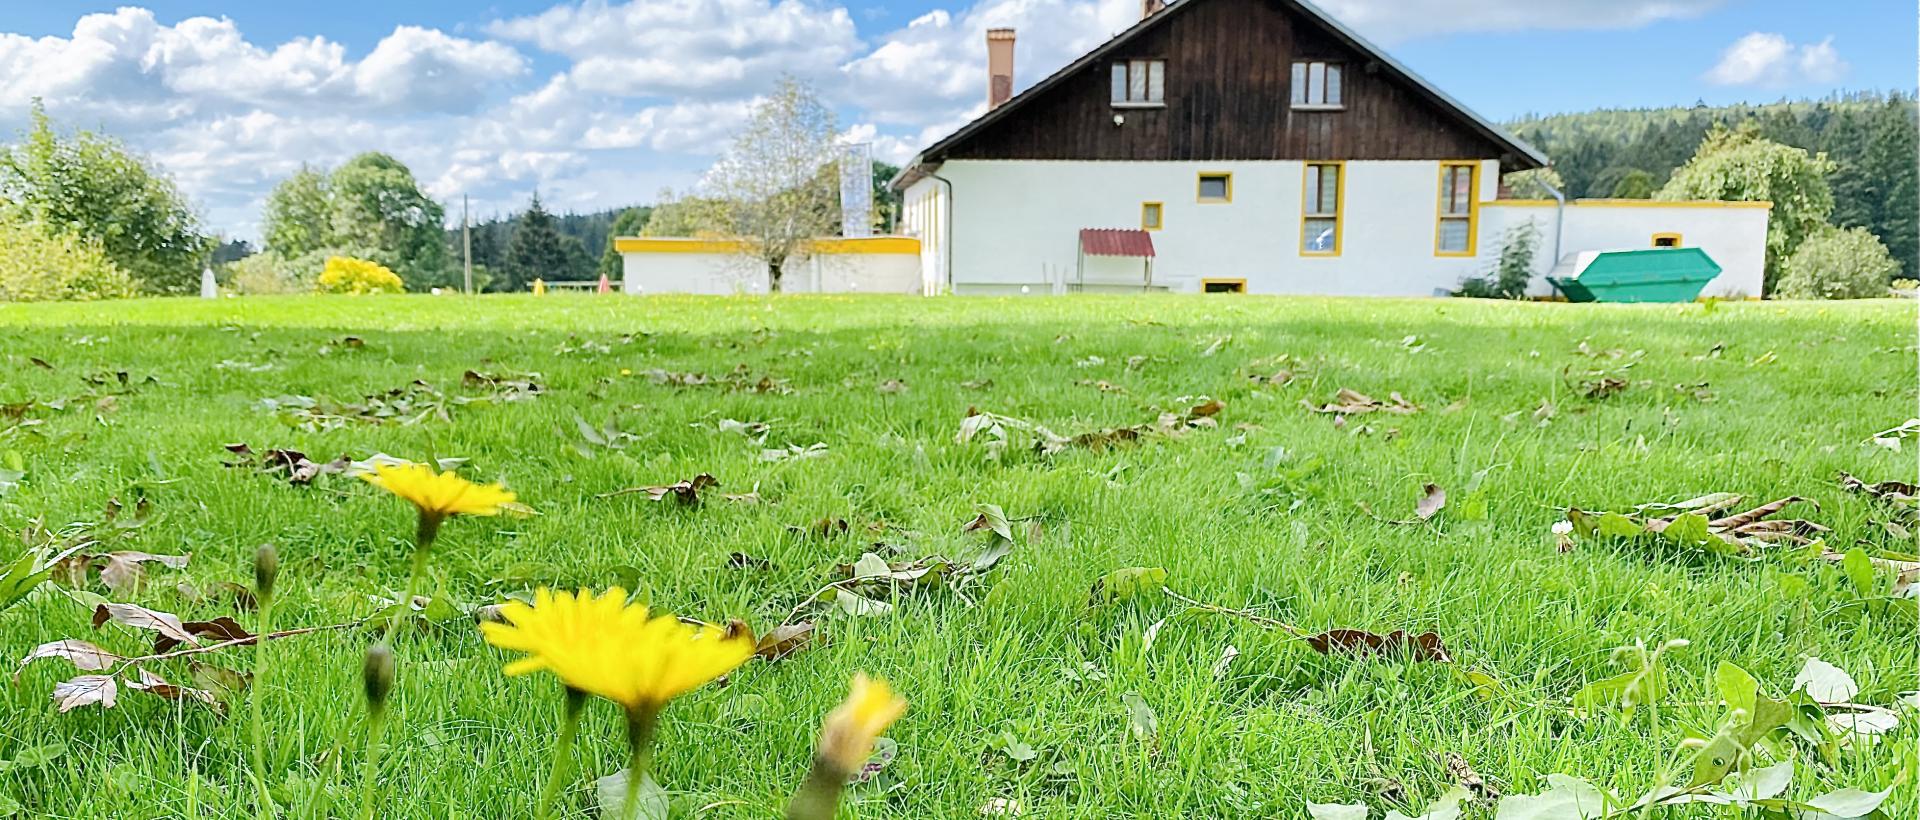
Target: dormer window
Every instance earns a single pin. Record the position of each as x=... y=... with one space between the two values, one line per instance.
x=1139 y=83
x=1316 y=85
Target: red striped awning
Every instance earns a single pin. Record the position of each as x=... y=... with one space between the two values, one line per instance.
x=1115 y=242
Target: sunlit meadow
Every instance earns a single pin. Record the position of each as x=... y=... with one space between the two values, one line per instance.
x=1103 y=548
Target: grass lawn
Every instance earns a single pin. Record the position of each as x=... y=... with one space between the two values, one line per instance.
x=1276 y=510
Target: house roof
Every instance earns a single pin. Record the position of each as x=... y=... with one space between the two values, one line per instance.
x=934 y=154
x=1116 y=242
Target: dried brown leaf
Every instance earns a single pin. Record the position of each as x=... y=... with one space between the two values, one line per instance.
x=86 y=690
x=784 y=640
x=83 y=655
x=221 y=630
x=1425 y=646
x=1432 y=499
x=153 y=684
x=1738 y=520
x=166 y=624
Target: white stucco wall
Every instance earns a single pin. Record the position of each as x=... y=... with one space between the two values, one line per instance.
x=1733 y=233
x=1017 y=223
x=650 y=269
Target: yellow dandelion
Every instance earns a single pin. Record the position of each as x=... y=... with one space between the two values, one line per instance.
x=846 y=738
x=439 y=495
x=605 y=647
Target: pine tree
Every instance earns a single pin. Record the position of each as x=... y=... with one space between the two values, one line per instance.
x=535 y=252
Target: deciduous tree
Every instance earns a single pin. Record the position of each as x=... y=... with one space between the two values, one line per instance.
x=1740 y=165
x=91 y=186
x=776 y=200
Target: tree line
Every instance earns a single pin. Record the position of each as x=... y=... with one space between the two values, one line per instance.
x=1869 y=139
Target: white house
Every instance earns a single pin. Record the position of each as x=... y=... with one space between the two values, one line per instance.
x=1257 y=146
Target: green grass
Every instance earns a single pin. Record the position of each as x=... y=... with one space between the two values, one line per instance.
x=1795 y=391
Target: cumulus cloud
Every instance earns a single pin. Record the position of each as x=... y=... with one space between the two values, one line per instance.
x=699 y=48
x=934 y=70
x=126 y=67
x=1766 y=59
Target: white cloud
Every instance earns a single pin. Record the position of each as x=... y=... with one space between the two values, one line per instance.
x=1766 y=59
x=935 y=69
x=125 y=67
x=632 y=96
x=699 y=48
x=1392 y=21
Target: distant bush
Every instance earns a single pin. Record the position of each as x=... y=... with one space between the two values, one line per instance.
x=1838 y=264
x=265 y=274
x=38 y=264
x=345 y=274
x=1512 y=272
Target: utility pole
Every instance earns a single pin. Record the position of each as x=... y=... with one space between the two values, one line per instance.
x=466 y=241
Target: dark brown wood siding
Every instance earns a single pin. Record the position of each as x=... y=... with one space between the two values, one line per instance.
x=1228 y=65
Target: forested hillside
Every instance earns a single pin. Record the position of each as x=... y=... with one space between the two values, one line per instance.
x=1870 y=137
x=492 y=238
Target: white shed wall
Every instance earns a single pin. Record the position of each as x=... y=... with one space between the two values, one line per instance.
x=725 y=273
x=1734 y=234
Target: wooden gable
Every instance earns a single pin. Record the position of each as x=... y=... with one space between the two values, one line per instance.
x=1227 y=97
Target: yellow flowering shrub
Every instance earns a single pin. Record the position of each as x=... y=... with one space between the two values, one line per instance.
x=345 y=274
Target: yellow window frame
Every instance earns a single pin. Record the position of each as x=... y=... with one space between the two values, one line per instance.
x=1197 y=197
x=1440 y=215
x=1160 y=211
x=1673 y=235
x=1339 y=206
x=1240 y=285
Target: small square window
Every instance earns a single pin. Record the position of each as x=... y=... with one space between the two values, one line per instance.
x=1666 y=240
x=1216 y=188
x=1223 y=286
x=1151 y=216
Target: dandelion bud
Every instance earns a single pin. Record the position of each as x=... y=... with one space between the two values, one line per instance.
x=266 y=566
x=377 y=675
x=846 y=738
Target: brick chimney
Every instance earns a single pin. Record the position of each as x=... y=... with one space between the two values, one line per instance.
x=999 y=66
x=1148 y=7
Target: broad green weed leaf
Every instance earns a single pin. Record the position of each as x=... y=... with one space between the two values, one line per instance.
x=1128 y=583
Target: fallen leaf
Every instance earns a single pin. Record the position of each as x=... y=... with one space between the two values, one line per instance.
x=1425 y=646
x=121 y=571
x=1825 y=683
x=1432 y=499
x=1565 y=798
x=741 y=560
x=154 y=684
x=1349 y=402
x=784 y=640
x=85 y=690
x=221 y=630
x=166 y=624
x=84 y=656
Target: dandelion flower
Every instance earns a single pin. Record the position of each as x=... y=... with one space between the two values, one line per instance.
x=846 y=741
x=605 y=647
x=439 y=495
x=846 y=738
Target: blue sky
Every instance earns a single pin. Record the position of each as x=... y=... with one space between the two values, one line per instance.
x=601 y=103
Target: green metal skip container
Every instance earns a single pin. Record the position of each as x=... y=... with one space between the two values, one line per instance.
x=1645 y=275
